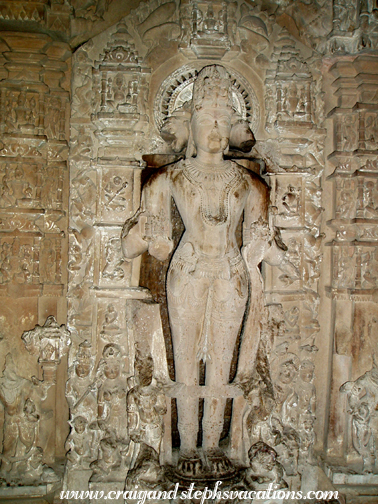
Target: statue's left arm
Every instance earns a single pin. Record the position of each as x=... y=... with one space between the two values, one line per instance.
x=260 y=242
x=256 y=233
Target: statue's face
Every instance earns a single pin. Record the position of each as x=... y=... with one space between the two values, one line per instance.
x=287 y=372
x=307 y=374
x=112 y=370
x=211 y=129
x=83 y=368
x=80 y=427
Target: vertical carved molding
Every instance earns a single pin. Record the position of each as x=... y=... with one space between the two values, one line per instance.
x=34 y=94
x=354 y=248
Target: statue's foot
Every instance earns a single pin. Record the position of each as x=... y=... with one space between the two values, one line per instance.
x=218 y=464
x=189 y=464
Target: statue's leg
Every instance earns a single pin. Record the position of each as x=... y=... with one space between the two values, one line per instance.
x=186 y=308
x=229 y=302
x=10 y=435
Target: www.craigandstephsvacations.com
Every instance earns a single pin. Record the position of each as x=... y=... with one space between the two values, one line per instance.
x=201 y=495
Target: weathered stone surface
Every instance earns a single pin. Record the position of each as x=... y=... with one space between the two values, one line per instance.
x=304 y=93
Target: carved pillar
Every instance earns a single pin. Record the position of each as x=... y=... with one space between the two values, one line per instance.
x=354 y=281
x=293 y=290
x=35 y=91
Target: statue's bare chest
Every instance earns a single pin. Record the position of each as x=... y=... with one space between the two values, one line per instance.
x=215 y=199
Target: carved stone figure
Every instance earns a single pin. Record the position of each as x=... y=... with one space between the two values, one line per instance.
x=305 y=388
x=109 y=460
x=113 y=267
x=264 y=468
x=111 y=397
x=207 y=282
x=78 y=445
x=146 y=406
x=363 y=402
x=81 y=386
x=18 y=396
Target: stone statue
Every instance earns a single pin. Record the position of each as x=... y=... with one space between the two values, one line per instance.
x=18 y=396
x=208 y=278
x=264 y=468
x=78 y=444
x=111 y=397
x=146 y=406
x=81 y=386
x=111 y=418
x=363 y=404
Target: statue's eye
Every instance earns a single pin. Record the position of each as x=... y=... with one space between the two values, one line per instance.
x=223 y=122
x=206 y=121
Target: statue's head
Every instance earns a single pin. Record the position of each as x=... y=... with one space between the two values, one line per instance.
x=79 y=423
x=112 y=361
x=209 y=121
x=144 y=368
x=83 y=359
x=175 y=129
x=212 y=111
x=263 y=454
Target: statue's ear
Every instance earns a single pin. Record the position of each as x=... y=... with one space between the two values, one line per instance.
x=241 y=136
x=191 y=148
x=175 y=129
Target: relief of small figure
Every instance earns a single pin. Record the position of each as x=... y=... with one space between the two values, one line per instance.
x=363 y=405
x=306 y=390
x=146 y=405
x=110 y=327
x=108 y=463
x=79 y=443
x=18 y=396
x=307 y=440
x=81 y=385
x=370 y=200
x=111 y=397
x=347 y=206
x=264 y=468
x=113 y=256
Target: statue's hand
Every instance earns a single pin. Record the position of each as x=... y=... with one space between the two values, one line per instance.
x=160 y=247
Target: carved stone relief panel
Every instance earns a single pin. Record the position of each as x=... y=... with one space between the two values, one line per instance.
x=135 y=78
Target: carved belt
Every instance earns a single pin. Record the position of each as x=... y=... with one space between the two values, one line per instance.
x=206 y=267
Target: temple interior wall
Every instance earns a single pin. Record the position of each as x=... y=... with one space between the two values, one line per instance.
x=84 y=90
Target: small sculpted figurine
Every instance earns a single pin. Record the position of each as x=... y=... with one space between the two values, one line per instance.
x=109 y=461
x=18 y=396
x=208 y=278
x=81 y=387
x=264 y=468
x=78 y=444
x=363 y=406
x=146 y=406
x=111 y=397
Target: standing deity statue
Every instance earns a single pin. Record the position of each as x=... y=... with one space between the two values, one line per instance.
x=209 y=279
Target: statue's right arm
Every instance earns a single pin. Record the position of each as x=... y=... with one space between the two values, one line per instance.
x=150 y=227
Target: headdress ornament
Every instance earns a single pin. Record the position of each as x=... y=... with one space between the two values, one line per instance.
x=212 y=88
